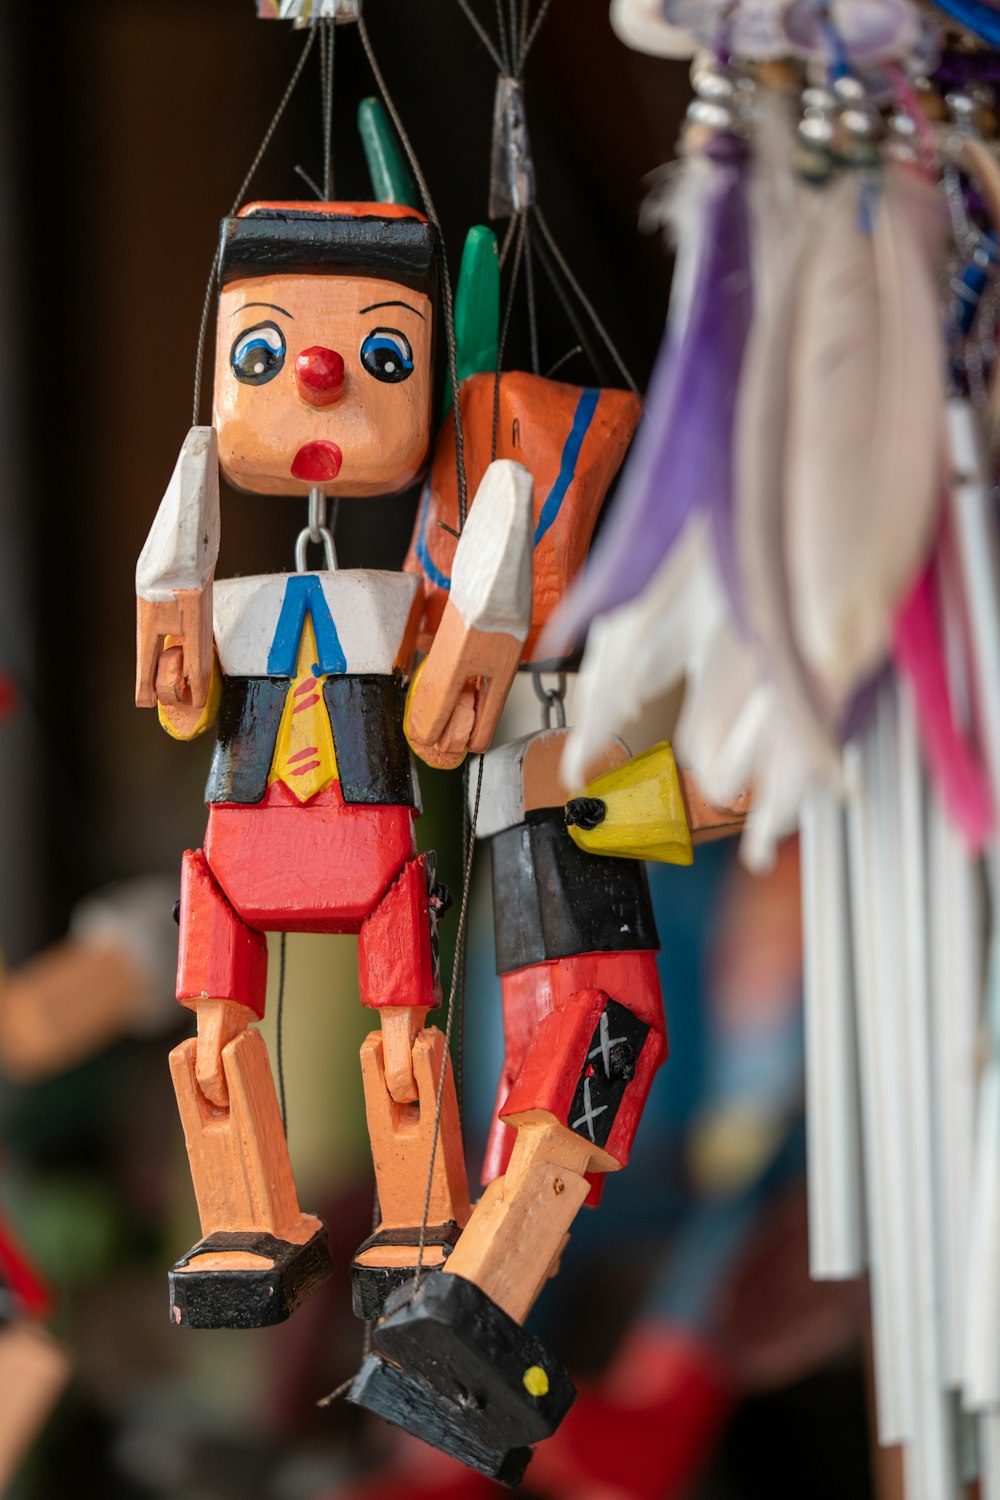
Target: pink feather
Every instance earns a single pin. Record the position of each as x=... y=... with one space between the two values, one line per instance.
x=953 y=763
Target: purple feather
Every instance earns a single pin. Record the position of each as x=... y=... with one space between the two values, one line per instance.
x=682 y=455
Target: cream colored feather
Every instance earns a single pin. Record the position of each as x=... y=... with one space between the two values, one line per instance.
x=784 y=237
x=865 y=430
x=783 y=780
x=725 y=706
x=637 y=653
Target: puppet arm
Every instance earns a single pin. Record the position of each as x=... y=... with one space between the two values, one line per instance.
x=458 y=692
x=173 y=578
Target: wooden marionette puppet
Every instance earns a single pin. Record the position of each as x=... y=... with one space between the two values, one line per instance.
x=575 y=938
x=323 y=383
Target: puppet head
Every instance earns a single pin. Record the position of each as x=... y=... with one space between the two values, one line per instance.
x=324 y=347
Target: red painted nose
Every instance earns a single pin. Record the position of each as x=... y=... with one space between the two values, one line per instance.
x=319 y=376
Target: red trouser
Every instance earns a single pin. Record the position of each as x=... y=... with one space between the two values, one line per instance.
x=320 y=866
x=551 y=1011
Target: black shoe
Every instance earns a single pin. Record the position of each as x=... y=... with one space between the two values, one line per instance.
x=371 y=1285
x=248 y=1299
x=455 y=1370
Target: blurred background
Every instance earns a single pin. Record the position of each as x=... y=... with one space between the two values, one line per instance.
x=683 y=1305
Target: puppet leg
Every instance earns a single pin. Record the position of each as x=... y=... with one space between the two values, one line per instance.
x=456 y=1361
x=401 y=1066
x=260 y=1255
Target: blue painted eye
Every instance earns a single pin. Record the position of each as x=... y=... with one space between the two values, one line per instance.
x=387 y=355
x=258 y=354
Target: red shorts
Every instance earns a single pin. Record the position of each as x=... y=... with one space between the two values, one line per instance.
x=319 y=866
x=322 y=866
x=550 y=1013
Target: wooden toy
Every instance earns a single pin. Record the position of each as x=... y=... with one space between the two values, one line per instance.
x=33 y=1367
x=112 y=975
x=311 y=794
x=326 y=332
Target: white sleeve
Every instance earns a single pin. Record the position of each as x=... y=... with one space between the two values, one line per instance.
x=183 y=544
x=491 y=574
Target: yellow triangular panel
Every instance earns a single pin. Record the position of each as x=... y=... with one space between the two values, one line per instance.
x=644 y=815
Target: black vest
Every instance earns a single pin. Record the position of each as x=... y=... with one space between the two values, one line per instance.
x=366 y=717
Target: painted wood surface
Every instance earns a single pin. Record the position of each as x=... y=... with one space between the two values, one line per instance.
x=396 y=959
x=525 y=775
x=173 y=576
x=365 y=621
x=318 y=868
x=533 y=994
x=552 y=900
x=640 y=811
x=183 y=543
x=402 y=1135
x=571 y=439
x=187 y=620
x=485 y=621
x=33 y=1371
x=520 y=1225
x=274 y=437
x=239 y=1160
x=221 y=957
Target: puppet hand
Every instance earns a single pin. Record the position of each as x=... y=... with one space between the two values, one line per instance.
x=480 y=641
x=449 y=748
x=182 y=624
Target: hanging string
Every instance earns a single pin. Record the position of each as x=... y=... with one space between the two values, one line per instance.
x=584 y=340
x=482 y=34
x=584 y=301
x=508 y=239
x=529 y=273
x=536 y=27
x=206 y=306
x=522 y=222
x=448 y=296
x=553 y=261
x=449 y=1024
x=280 y=1024
x=327 y=35
x=458 y=967
x=505 y=46
x=563 y=360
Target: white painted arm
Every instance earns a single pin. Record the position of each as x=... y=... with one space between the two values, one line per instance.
x=460 y=690
x=183 y=544
x=491 y=574
x=173 y=577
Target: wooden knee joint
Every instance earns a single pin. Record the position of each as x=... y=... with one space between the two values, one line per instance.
x=402 y=1135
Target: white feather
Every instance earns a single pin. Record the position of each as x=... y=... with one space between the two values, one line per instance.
x=865 y=431
x=640 y=651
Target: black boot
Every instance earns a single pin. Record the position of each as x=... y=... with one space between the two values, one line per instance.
x=452 y=1368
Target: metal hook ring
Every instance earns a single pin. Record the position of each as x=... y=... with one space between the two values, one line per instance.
x=552 y=699
x=307 y=535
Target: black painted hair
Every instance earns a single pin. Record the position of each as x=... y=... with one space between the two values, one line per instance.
x=276 y=238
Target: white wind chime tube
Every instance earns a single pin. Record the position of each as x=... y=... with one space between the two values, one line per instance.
x=870 y=766
x=955 y=1003
x=835 y=1179
x=973 y=516
x=988 y=1433
x=932 y=1466
x=982 y=1301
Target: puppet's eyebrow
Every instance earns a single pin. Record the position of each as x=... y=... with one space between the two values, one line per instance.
x=273 y=305
x=373 y=306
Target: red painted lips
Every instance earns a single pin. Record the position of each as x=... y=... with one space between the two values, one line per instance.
x=317 y=462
